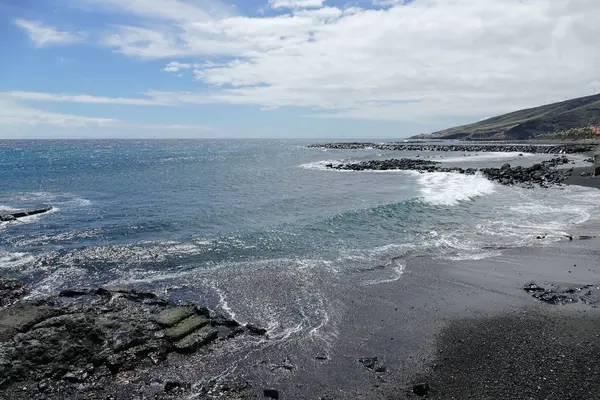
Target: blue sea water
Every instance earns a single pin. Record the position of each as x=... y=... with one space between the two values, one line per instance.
x=258 y=229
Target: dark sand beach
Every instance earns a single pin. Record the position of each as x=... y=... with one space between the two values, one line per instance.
x=443 y=329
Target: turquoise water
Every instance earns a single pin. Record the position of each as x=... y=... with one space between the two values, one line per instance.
x=258 y=229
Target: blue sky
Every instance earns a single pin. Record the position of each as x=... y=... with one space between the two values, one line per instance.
x=285 y=68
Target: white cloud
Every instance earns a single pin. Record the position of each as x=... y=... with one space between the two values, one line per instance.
x=82 y=98
x=43 y=35
x=175 y=66
x=422 y=60
x=15 y=114
x=296 y=3
x=419 y=61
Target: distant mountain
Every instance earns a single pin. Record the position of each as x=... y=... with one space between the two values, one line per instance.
x=524 y=124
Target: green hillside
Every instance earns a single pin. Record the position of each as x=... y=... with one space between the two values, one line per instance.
x=524 y=124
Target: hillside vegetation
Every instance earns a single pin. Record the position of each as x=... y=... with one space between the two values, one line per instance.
x=525 y=124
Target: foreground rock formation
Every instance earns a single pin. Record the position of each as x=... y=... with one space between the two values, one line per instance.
x=79 y=340
x=544 y=174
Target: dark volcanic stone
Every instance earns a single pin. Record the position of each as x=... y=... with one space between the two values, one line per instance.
x=463 y=147
x=73 y=341
x=421 y=389
x=255 y=330
x=544 y=174
x=271 y=393
x=10 y=290
x=368 y=362
x=533 y=287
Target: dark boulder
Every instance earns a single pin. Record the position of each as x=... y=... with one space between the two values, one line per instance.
x=421 y=389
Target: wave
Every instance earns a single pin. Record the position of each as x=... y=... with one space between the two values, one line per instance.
x=15 y=261
x=320 y=165
x=449 y=189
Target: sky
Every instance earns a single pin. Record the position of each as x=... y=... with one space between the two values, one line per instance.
x=286 y=68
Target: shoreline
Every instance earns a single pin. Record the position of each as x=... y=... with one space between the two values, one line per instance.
x=428 y=327
x=461 y=329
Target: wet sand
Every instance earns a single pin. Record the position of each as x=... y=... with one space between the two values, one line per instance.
x=466 y=328
x=588 y=181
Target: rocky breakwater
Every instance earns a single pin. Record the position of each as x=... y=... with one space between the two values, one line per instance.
x=75 y=344
x=481 y=148
x=544 y=174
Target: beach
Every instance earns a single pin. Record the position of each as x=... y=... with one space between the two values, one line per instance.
x=436 y=312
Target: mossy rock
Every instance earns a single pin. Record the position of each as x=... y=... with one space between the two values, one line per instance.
x=173 y=316
x=186 y=327
x=196 y=339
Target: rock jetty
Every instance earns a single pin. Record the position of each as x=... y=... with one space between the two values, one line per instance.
x=544 y=174
x=73 y=344
x=505 y=148
x=25 y=213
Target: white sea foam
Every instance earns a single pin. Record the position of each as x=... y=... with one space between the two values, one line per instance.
x=15 y=261
x=320 y=165
x=444 y=188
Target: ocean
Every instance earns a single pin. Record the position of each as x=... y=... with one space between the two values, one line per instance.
x=258 y=229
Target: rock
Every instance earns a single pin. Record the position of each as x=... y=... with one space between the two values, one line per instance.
x=172 y=316
x=381 y=368
x=421 y=389
x=76 y=339
x=368 y=362
x=186 y=327
x=23 y=315
x=176 y=387
x=255 y=330
x=502 y=147
x=220 y=320
x=45 y=386
x=271 y=393
x=10 y=291
x=505 y=167
x=533 y=287
x=126 y=340
x=76 y=376
x=197 y=339
x=73 y=292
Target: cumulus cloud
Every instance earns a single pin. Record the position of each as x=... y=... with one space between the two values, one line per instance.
x=175 y=66
x=43 y=35
x=417 y=60
x=81 y=98
x=296 y=3
x=14 y=114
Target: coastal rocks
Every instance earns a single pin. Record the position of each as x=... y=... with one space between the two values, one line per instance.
x=543 y=174
x=10 y=291
x=25 y=213
x=373 y=363
x=84 y=336
x=559 y=294
x=421 y=389
x=271 y=393
x=510 y=148
x=384 y=165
